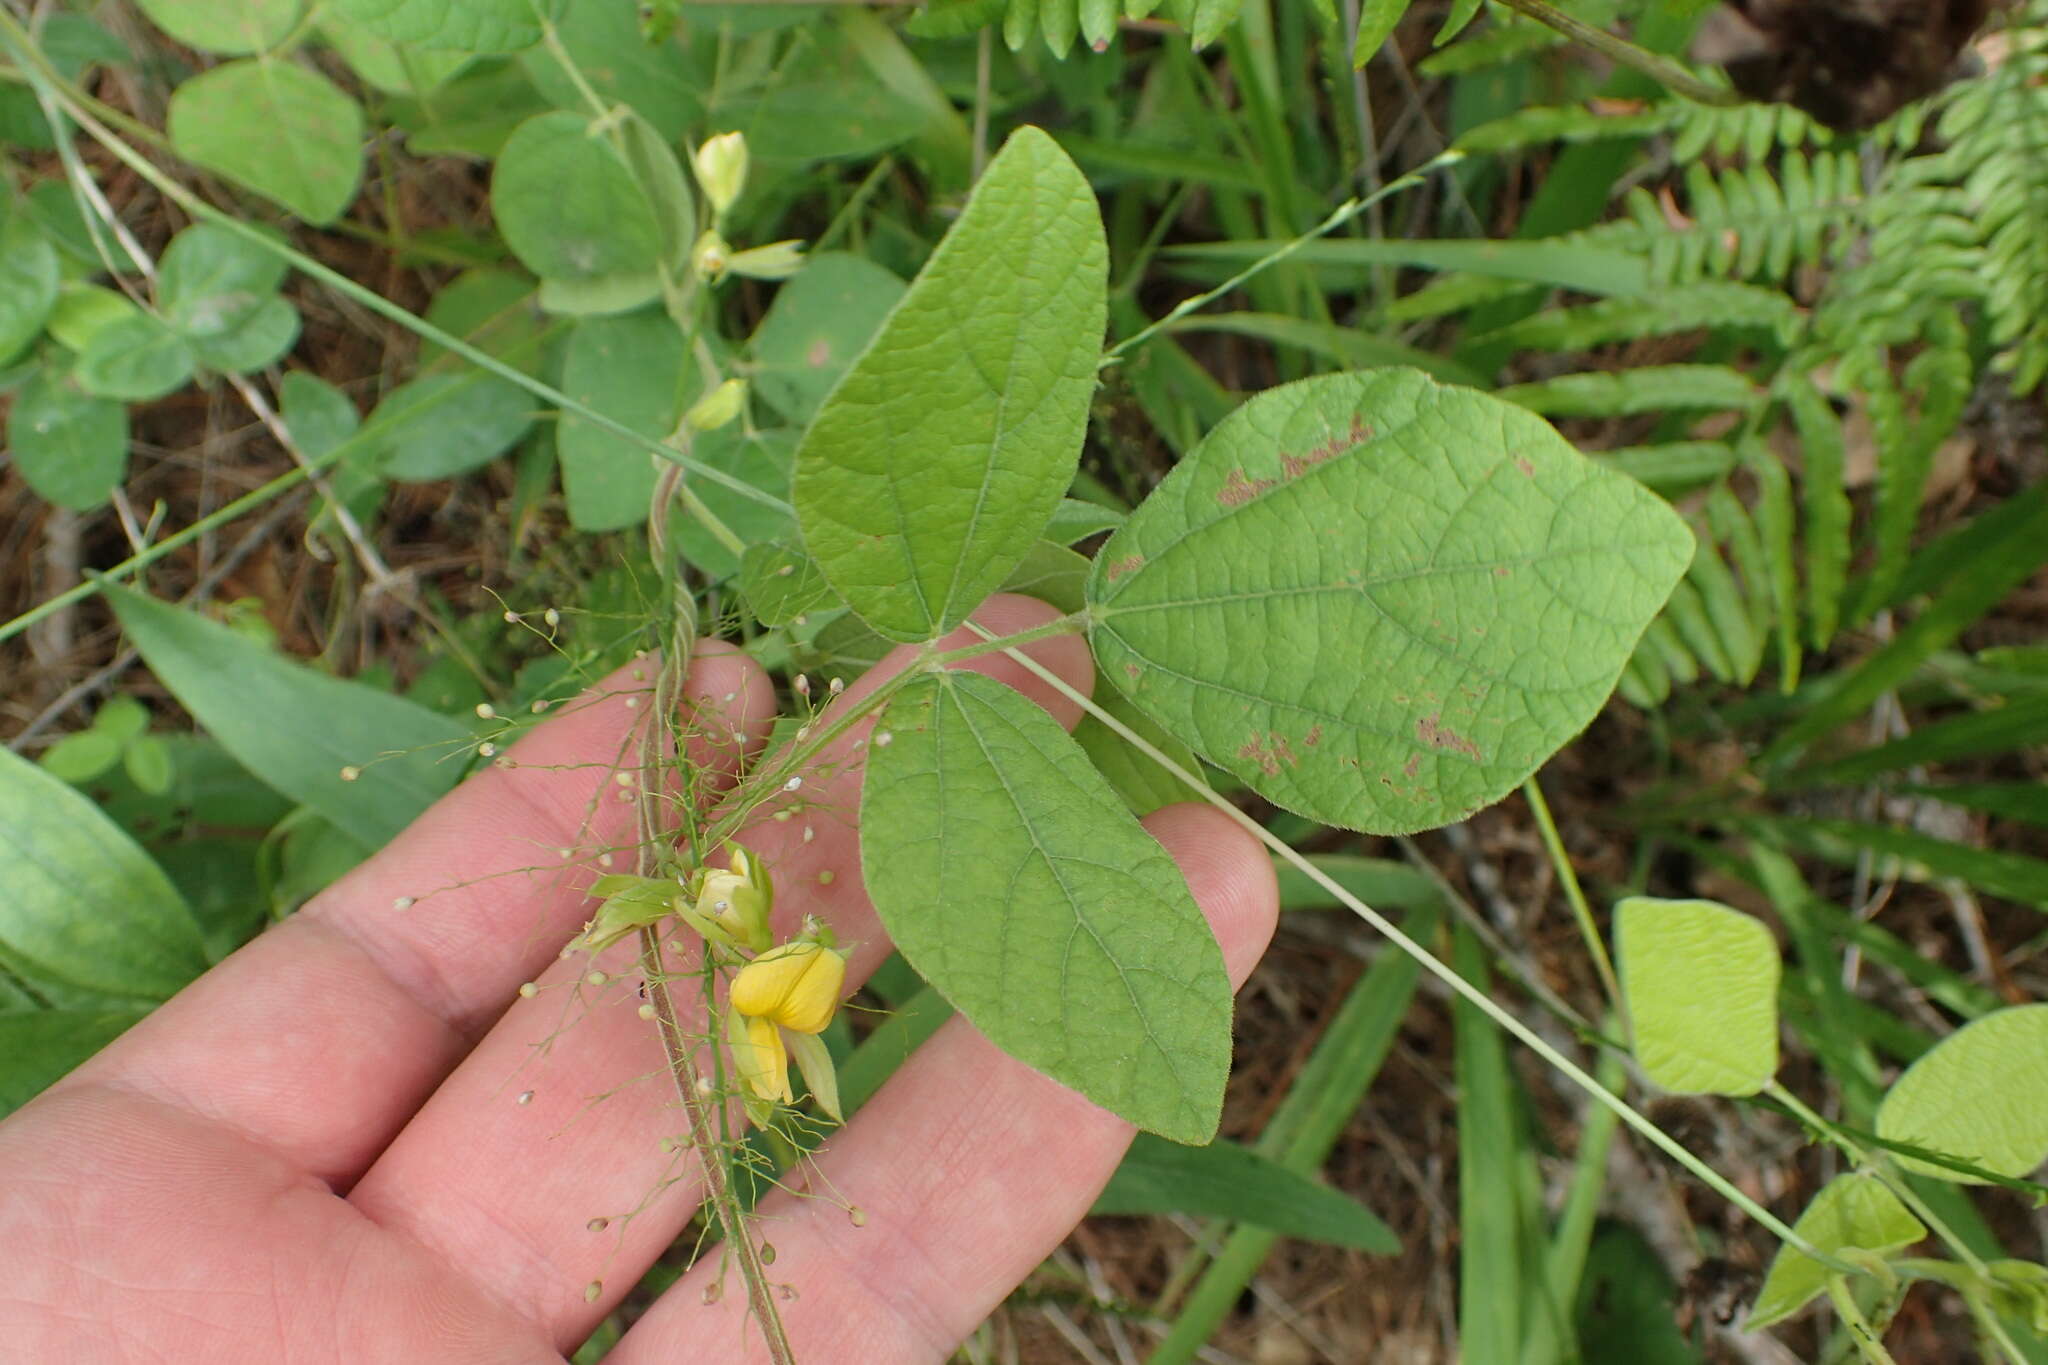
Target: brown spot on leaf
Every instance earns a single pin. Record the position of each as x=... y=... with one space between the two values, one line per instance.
x=1294 y=466
x=819 y=354
x=1522 y=463
x=1412 y=766
x=1313 y=737
x=1238 y=490
x=1127 y=564
x=1255 y=749
x=1436 y=735
x=1499 y=571
x=1131 y=671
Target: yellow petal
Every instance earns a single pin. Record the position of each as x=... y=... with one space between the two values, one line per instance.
x=814 y=999
x=762 y=1061
x=765 y=983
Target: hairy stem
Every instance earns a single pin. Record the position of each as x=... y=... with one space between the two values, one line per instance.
x=1657 y=67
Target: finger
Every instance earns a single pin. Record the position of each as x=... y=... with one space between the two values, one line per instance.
x=506 y=1168
x=321 y=1037
x=968 y=1168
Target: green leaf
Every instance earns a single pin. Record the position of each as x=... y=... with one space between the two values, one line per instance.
x=614 y=58
x=569 y=206
x=88 y=920
x=781 y=583
x=1224 y=1180
x=441 y=425
x=1011 y=877
x=137 y=359
x=296 y=729
x=81 y=757
x=449 y=25
x=1074 y=520
x=762 y=459
x=630 y=369
x=83 y=311
x=1211 y=18
x=492 y=310
x=387 y=66
x=28 y=283
x=1379 y=601
x=1853 y=1212
x=148 y=762
x=308 y=156
x=70 y=447
x=1701 y=981
x=819 y=322
x=1376 y=21
x=37 y=1047
x=214 y=280
x=1142 y=785
x=1980 y=1094
x=937 y=459
x=226 y=27
x=263 y=339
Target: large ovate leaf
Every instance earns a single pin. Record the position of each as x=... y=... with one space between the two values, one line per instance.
x=1981 y=1094
x=136 y=359
x=214 y=280
x=1013 y=879
x=287 y=133
x=1701 y=982
x=227 y=27
x=71 y=447
x=1380 y=601
x=441 y=425
x=300 y=731
x=87 y=920
x=1853 y=1212
x=449 y=25
x=938 y=457
x=568 y=204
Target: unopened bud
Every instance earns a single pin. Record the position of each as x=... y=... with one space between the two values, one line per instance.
x=722 y=169
x=719 y=406
x=776 y=261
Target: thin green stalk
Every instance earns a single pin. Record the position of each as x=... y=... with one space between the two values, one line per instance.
x=1573 y=893
x=1430 y=963
x=1867 y=1345
x=1343 y=214
x=15 y=39
x=1658 y=68
x=1886 y=1170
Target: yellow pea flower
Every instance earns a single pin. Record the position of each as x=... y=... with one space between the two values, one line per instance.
x=797 y=986
x=761 y=1059
x=739 y=900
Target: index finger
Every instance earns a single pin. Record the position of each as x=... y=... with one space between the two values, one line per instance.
x=322 y=1036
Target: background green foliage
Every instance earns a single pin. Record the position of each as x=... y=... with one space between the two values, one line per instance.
x=446 y=265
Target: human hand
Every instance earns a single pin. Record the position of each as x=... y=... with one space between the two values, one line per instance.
x=325 y=1148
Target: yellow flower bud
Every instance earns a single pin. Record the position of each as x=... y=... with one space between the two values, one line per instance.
x=719 y=406
x=738 y=901
x=797 y=986
x=722 y=169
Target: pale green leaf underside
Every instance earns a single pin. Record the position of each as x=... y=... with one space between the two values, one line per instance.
x=60 y=855
x=1981 y=1094
x=1701 y=981
x=1380 y=601
x=1009 y=874
x=936 y=460
x=1854 y=1212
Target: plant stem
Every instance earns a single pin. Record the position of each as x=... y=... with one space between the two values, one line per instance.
x=1343 y=214
x=1867 y=1344
x=1430 y=963
x=1657 y=67
x=1886 y=1170
x=1577 y=897
x=680 y=1049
